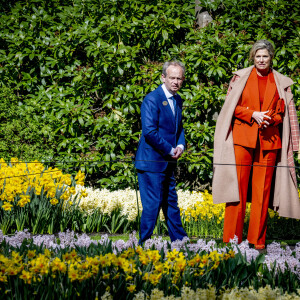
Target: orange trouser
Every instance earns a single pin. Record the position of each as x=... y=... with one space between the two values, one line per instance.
x=261 y=186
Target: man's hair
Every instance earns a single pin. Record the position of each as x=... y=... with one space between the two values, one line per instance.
x=261 y=44
x=167 y=64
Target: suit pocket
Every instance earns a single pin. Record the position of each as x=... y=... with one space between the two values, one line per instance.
x=237 y=121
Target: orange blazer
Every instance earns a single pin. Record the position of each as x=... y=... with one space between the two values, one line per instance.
x=245 y=129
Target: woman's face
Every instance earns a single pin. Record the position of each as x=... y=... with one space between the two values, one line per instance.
x=262 y=60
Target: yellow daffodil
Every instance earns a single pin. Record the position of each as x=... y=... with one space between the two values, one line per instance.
x=131 y=288
x=53 y=201
x=7 y=206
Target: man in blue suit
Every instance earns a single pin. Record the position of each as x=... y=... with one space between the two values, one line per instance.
x=161 y=144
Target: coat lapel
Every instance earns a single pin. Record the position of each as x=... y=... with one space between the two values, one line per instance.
x=270 y=92
x=229 y=106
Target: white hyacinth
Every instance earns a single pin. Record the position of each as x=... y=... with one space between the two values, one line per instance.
x=126 y=200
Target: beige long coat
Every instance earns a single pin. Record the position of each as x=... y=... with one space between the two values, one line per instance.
x=285 y=199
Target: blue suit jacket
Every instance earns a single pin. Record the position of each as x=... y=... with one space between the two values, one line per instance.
x=161 y=131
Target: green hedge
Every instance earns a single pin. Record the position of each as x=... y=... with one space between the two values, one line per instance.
x=77 y=72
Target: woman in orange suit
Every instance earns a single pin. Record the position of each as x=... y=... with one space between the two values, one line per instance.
x=256 y=105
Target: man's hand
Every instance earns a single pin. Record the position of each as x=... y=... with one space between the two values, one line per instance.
x=177 y=153
x=261 y=116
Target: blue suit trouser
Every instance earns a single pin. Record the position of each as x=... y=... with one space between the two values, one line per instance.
x=157 y=191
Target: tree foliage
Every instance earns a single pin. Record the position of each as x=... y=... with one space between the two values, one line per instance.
x=78 y=71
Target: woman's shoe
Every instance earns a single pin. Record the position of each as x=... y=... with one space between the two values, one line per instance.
x=260 y=247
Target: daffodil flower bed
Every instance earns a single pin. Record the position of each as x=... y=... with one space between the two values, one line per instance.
x=199 y=215
x=70 y=266
x=33 y=196
x=45 y=200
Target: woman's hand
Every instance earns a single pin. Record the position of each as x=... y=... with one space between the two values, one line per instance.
x=261 y=116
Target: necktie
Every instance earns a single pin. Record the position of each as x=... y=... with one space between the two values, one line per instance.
x=174 y=105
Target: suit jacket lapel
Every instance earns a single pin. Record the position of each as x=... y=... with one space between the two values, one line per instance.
x=270 y=92
x=252 y=84
x=167 y=107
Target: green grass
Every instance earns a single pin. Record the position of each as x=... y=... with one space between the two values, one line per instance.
x=124 y=237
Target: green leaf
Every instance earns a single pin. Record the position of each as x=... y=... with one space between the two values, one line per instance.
x=81 y=121
x=120 y=70
x=122 y=145
x=165 y=34
x=177 y=23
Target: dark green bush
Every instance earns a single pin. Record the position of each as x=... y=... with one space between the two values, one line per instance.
x=22 y=134
x=80 y=69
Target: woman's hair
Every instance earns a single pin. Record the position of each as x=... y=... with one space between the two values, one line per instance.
x=167 y=64
x=261 y=44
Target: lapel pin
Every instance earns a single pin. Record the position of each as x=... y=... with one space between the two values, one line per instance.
x=165 y=103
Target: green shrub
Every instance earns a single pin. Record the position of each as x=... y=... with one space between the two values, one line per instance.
x=22 y=133
x=80 y=69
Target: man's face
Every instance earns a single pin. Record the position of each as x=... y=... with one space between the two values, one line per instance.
x=174 y=79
